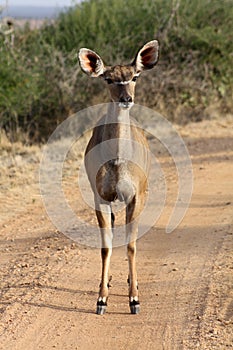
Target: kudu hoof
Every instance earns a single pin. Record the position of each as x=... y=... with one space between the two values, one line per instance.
x=101 y=307
x=134 y=307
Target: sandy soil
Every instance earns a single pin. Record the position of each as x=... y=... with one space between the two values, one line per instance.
x=49 y=284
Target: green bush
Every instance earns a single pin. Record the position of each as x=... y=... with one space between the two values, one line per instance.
x=41 y=82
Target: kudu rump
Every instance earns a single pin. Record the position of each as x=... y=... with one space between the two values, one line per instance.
x=118 y=178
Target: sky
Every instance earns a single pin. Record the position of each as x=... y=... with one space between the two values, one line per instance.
x=38 y=2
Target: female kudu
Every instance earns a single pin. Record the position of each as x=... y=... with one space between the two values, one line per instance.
x=119 y=177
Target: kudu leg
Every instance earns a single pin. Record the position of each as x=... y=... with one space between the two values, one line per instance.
x=132 y=211
x=103 y=213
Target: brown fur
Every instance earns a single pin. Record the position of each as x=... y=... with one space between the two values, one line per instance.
x=124 y=175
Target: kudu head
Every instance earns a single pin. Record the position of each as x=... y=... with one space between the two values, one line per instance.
x=121 y=79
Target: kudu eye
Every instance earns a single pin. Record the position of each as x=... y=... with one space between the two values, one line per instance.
x=109 y=81
x=135 y=78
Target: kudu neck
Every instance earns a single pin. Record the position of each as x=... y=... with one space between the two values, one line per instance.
x=118 y=127
x=117 y=114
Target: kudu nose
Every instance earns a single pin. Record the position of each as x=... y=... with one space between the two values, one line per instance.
x=126 y=99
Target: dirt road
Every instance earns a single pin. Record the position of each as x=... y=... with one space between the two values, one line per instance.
x=49 y=284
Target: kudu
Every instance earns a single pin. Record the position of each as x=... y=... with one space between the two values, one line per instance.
x=119 y=177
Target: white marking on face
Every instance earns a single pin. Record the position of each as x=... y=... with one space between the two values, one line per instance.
x=125 y=105
x=122 y=82
x=126 y=81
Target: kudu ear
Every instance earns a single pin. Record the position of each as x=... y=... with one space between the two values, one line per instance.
x=91 y=63
x=147 y=56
